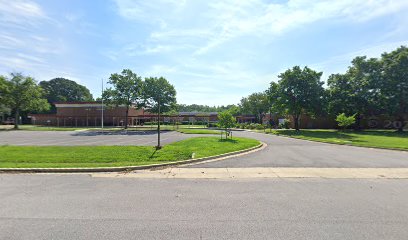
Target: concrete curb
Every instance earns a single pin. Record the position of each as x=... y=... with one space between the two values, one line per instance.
x=126 y=168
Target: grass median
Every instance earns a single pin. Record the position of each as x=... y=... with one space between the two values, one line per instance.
x=369 y=138
x=116 y=156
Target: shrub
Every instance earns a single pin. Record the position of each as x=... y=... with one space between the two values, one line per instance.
x=345 y=121
x=284 y=125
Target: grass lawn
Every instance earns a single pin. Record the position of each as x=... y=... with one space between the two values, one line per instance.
x=367 y=138
x=114 y=156
x=198 y=131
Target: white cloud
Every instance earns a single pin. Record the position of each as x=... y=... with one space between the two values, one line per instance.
x=20 y=13
x=222 y=21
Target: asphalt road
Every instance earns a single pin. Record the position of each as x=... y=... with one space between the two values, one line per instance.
x=289 y=152
x=280 y=152
x=88 y=138
x=83 y=207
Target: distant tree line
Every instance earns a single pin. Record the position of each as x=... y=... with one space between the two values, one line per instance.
x=203 y=108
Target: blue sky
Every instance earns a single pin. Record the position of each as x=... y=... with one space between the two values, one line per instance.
x=214 y=52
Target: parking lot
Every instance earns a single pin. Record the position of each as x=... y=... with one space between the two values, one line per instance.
x=89 y=138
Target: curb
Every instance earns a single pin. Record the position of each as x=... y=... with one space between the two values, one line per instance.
x=126 y=168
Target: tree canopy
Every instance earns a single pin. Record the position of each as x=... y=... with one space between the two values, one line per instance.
x=65 y=90
x=255 y=104
x=394 y=85
x=159 y=96
x=298 y=91
x=226 y=120
x=159 y=93
x=126 y=90
x=203 y=108
x=23 y=94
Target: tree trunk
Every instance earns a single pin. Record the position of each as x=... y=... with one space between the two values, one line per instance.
x=401 y=126
x=357 y=126
x=296 y=118
x=126 y=119
x=16 y=118
x=158 y=126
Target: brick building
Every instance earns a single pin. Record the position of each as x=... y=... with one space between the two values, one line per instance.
x=86 y=114
x=89 y=114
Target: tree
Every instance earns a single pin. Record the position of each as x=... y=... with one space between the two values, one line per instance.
x=234 y=110
x=23 y=94
x=3 y=90
x=298 y=91
x=356 y=91
x=394 y=87
x=255 y=104
x=344 y=121
x=159 y=96
x=126 y=91
x=226 y=121
x=65 y=90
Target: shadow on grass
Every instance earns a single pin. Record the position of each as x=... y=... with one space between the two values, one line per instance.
x=228 y=140
x=345 y=135
x=151 y=156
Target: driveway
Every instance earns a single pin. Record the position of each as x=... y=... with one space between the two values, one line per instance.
x=89 y=138
x=289 y=152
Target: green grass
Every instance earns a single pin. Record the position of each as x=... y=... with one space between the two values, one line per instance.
x=114 y=156
x=368 y=138
x=199 y=131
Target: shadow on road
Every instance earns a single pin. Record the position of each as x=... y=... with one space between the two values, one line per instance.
x=116 y=133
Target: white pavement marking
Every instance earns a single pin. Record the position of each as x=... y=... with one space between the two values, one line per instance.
x=244 y=173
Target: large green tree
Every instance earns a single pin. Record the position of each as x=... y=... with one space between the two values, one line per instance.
x=394 y=87
x=23 y=94
x=159 y=96
x=255 y=104
x=125 y=91
x=358 y=91
x=65 y=90
x=298 y=91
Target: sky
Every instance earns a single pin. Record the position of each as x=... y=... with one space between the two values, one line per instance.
x=214 y=52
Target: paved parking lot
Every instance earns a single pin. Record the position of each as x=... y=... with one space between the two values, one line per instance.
x=280 y=152
x=88 y=138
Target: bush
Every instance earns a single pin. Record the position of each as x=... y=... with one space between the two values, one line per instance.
x=345 y=121
x=242 y=125
x=284 y=125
